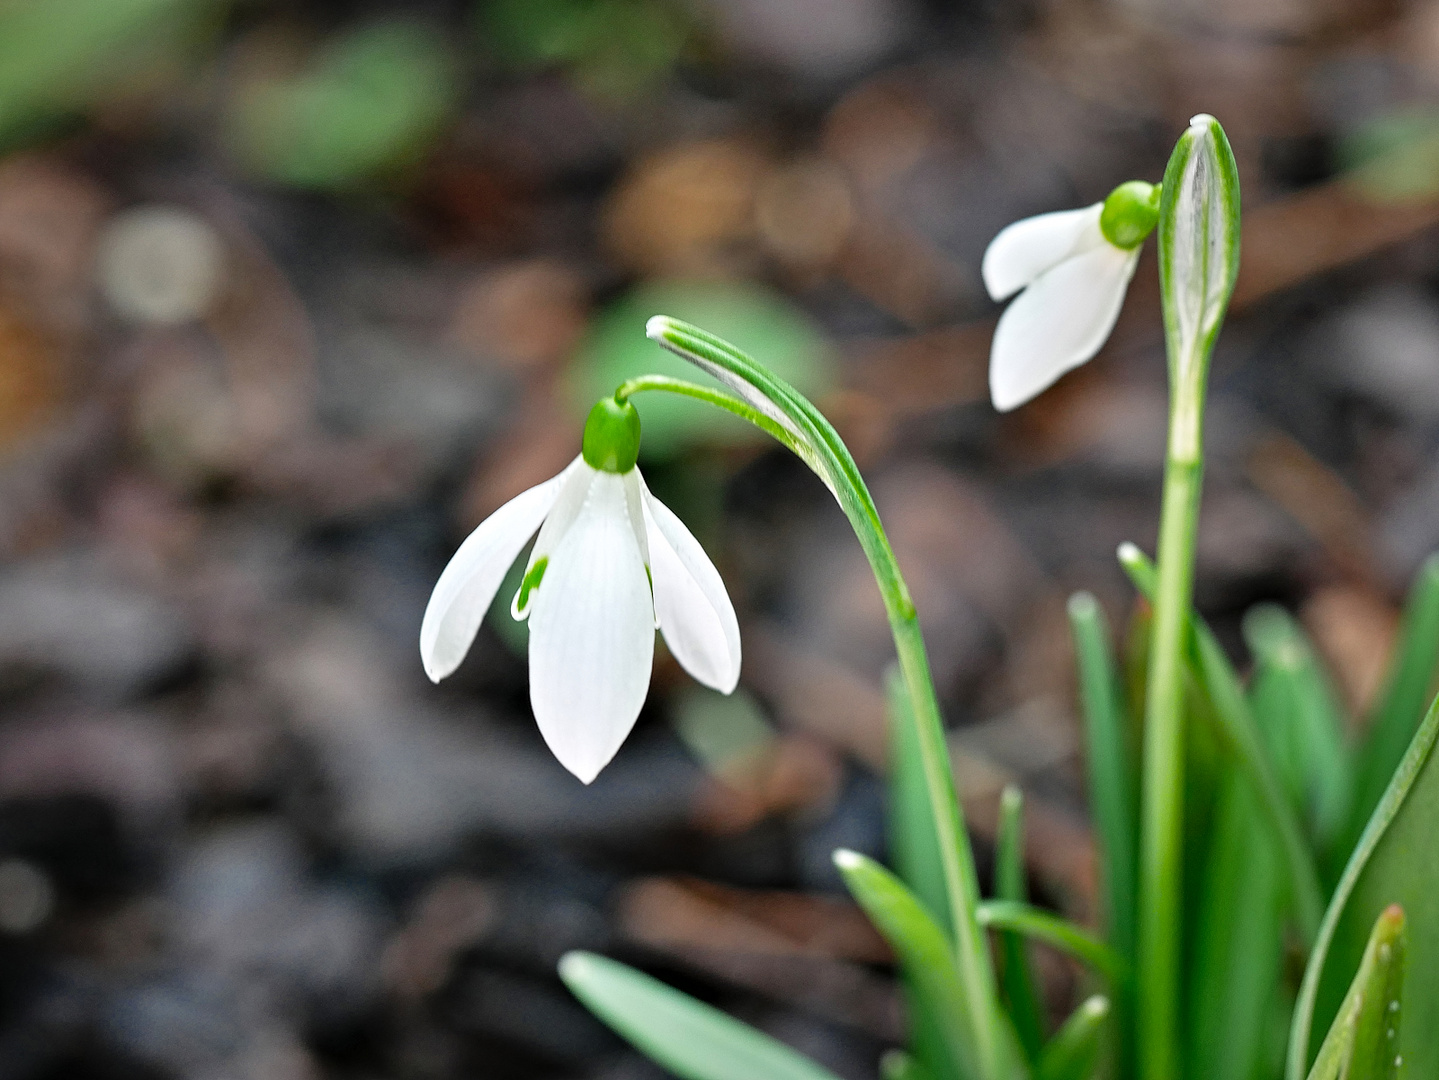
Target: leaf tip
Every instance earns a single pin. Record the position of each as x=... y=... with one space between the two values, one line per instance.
x=846 y=860
x=575 y=965
x=1083 y=605
x=1096 y=1007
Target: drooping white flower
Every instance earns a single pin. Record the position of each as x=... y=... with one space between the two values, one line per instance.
x=1074 y=267
x=611 y=564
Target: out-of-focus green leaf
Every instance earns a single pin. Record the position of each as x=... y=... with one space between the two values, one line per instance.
x=1229 y=709
x=1057 y=932
x=1394 y=158
x=922 y=947
x=912 y=842
x=898 y=1065
x=1112 y=767
x=1073 y=1053
x=1395 y=862
x=1363 y=1041
x=724 y=732
x=57 y=56
x=758 y=321
x=914 y=849
x=612 y=48
x=371 y=101
x=1016 y=980
x=1300 y=720
x=1238 y=951
x=693 y=1040
x=1401 y=706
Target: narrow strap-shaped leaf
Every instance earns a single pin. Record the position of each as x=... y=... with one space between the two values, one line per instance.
x=915 y=850
x=1299 y=720
x=1016 y=979
x=921 y=946
x=1238 y=954
x=1073 y=1053
x=1213 y=672
x=1406 y=695
x=1363 y=1042
x=1111 y=766
x=898 y=1065
x=913 y=845
x=1057 y=932
x=1394 y=862
x=693 y=1040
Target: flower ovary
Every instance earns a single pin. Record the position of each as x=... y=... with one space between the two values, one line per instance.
x=612 y=436
x=1130 y=213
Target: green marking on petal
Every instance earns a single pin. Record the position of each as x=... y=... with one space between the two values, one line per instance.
x=1130 y=213
x=533 y=576
x=612 y=436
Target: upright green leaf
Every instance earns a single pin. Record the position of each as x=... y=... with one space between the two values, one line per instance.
x=898 y=1065
x=922 y=948
x=914 y=850
x=1211 y=671
x=1406 y=694
x=1238 y=952
x=1073 y=1053
x=693 y=1040
x=1300 y=719
x=913 y=846
x=1111 y=764
x=1363 y=1042
x=1016 y=980
x=1395 y=862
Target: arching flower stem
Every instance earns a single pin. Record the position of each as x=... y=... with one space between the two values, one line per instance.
x=778 y=409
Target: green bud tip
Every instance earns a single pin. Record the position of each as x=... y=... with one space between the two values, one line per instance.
x=1130 y=213
x=612 y=436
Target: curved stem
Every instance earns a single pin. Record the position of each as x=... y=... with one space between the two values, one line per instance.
x=708 y=394
x=806 y=431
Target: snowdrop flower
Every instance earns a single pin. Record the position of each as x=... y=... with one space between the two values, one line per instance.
x=1073 y=267
x=610 y=565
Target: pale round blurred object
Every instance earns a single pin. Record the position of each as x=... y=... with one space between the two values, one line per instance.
x=804 y=212
x=26 y=896
x=160 y=265
x=681 y=210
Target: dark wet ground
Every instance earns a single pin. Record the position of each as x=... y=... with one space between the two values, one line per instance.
x=241 y=835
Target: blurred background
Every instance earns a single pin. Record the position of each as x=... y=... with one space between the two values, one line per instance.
x=294 y=292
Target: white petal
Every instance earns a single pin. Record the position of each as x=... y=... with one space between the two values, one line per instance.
x=1026 y=249
x=1057 y=323
x=574 y=487
x=694 y=611
x=468 y=585
x=592 y=634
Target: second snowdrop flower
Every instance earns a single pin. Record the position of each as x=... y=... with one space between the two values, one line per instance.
x=611 y=564
x=1074 y=267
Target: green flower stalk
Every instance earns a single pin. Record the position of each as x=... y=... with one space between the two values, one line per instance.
x=1198 y=261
